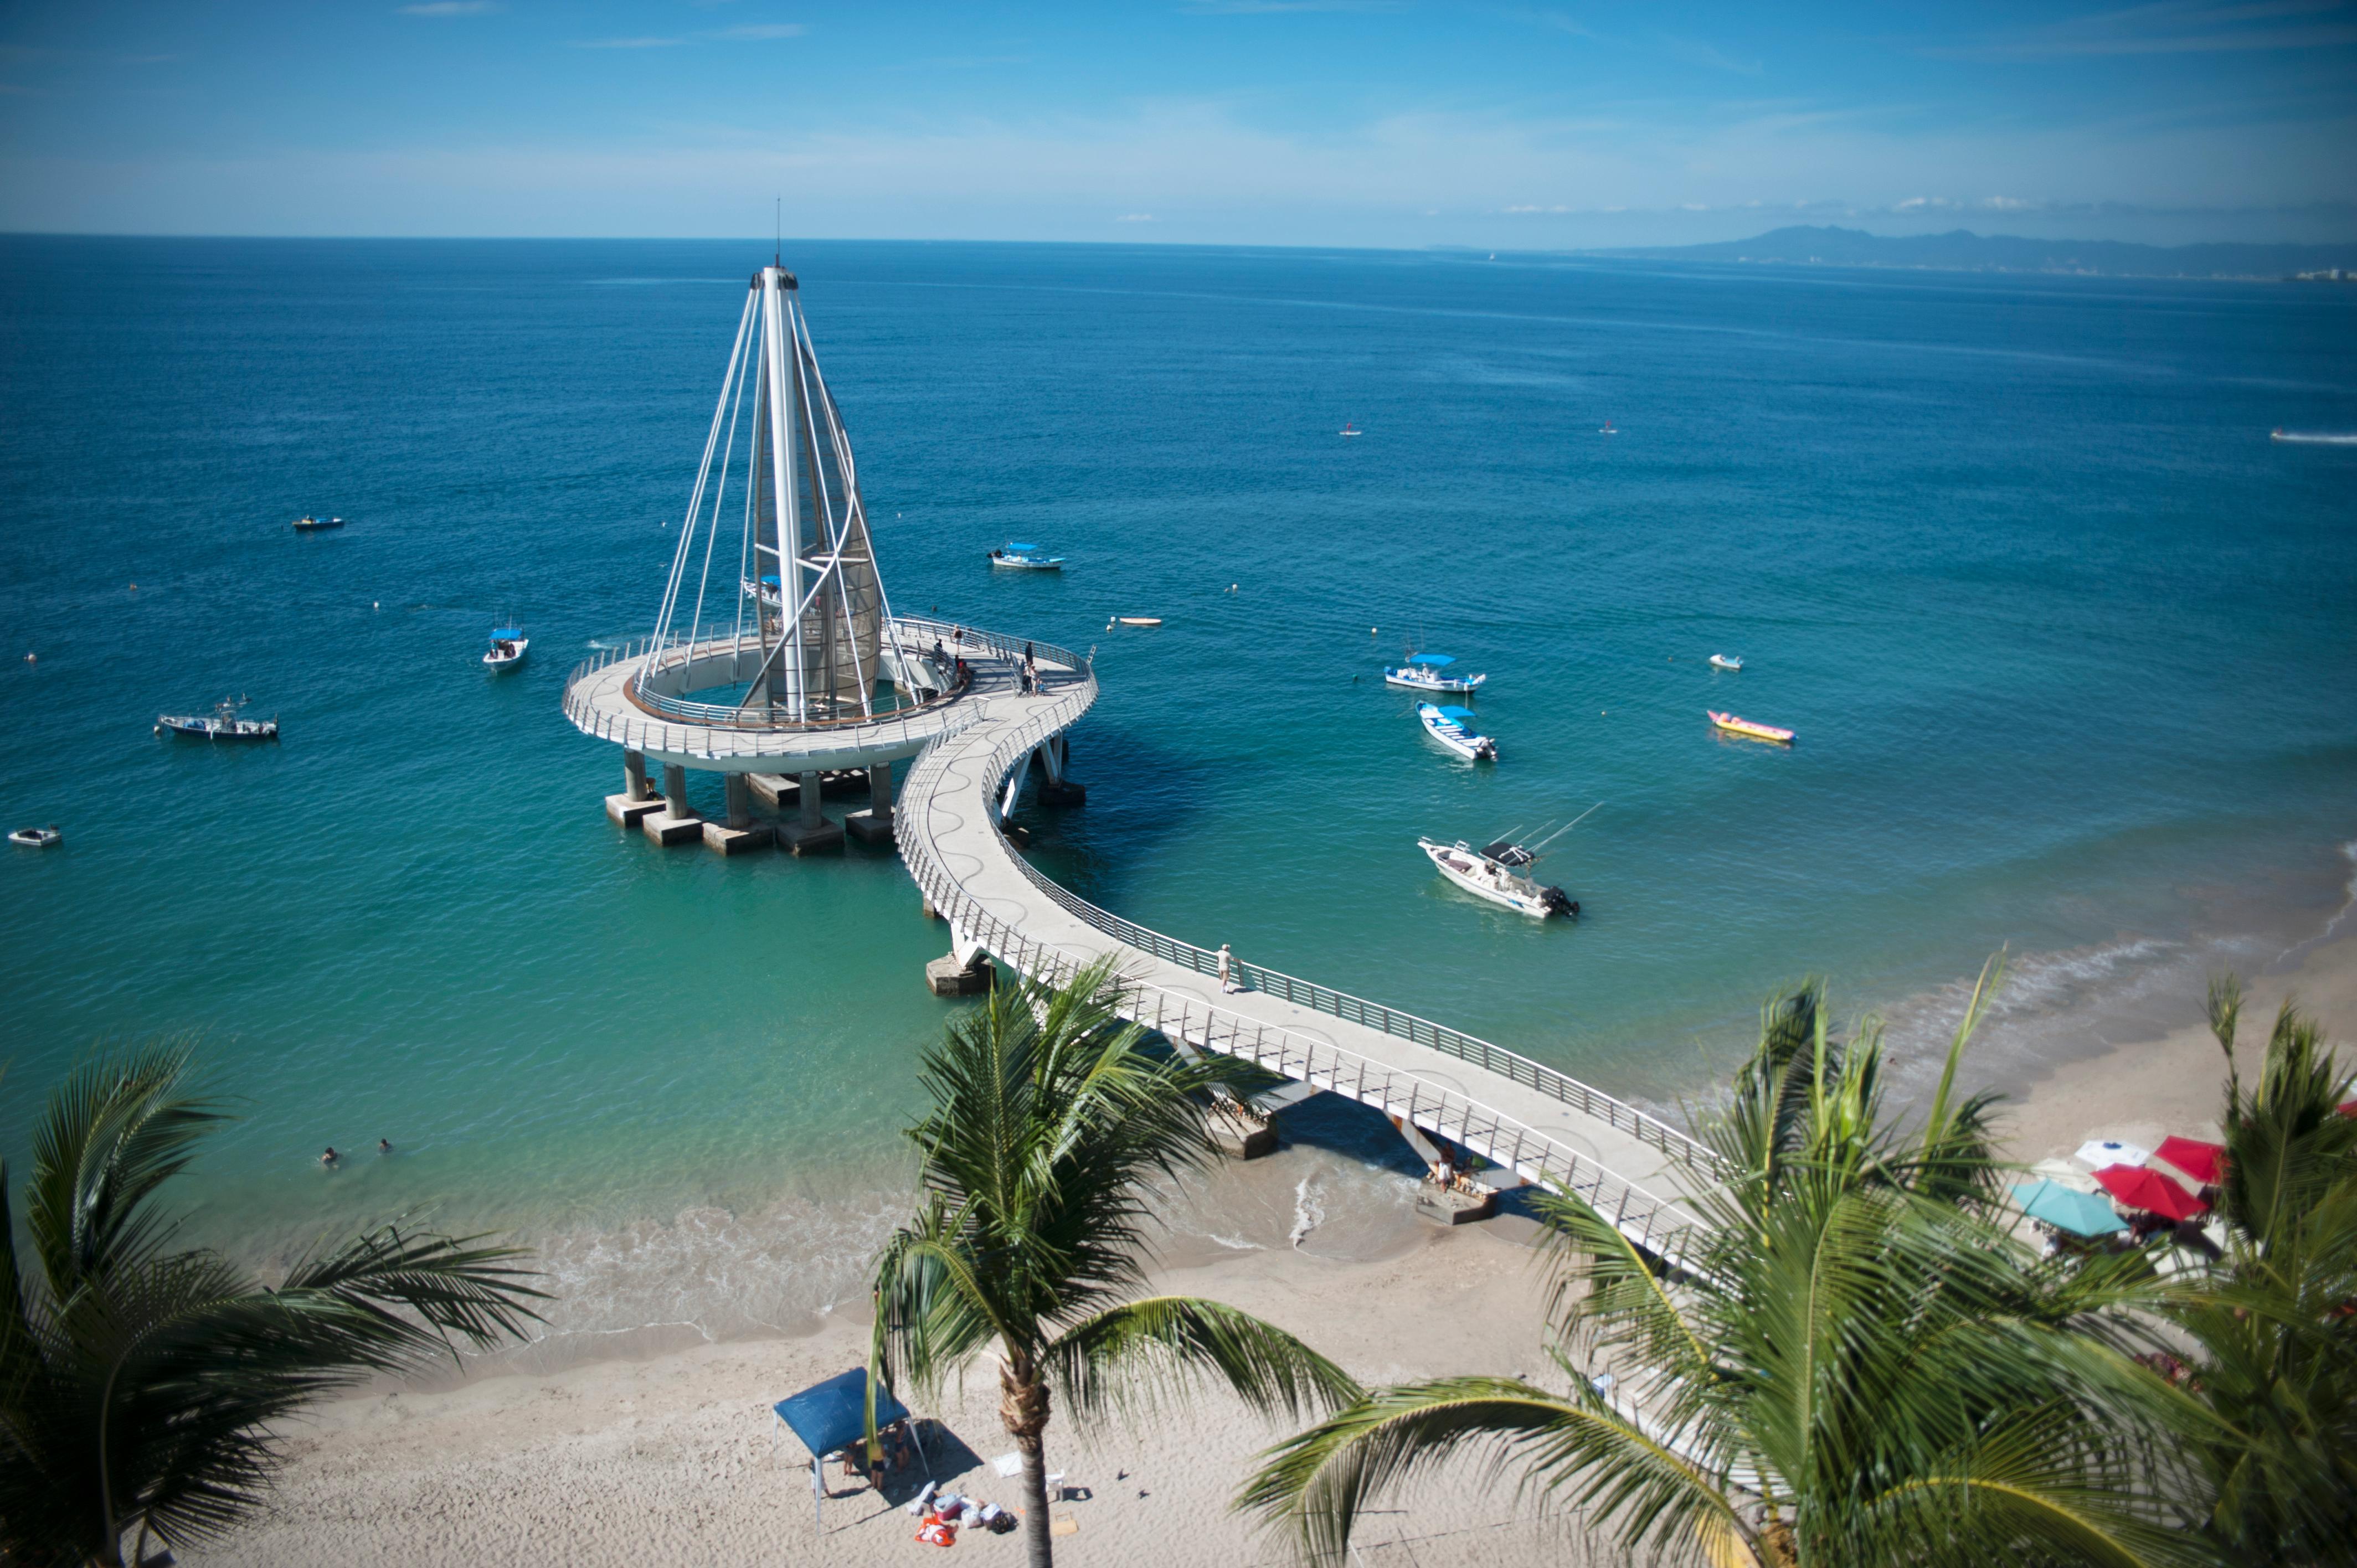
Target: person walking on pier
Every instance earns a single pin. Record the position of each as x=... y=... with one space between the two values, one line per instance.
x=1227 y=977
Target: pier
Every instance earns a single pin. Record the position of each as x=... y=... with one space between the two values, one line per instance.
x=1517 y=1114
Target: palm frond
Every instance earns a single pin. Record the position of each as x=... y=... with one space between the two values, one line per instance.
x=118 y=1128
x=1130 y=1354
x=1578 y=1453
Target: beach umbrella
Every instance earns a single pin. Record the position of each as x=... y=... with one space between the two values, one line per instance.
x=829 y=1417
x=2201 y=1161
x=2149 y=1191
x=2079 y=1213
x=2110 y=1152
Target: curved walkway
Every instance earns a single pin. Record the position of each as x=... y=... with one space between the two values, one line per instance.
x=1516 y=1112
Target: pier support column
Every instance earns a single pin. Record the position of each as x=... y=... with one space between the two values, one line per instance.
x=740 y=834
x=810 y=833
x=636 y=803
x=873 y=825
x=1059 y=788
x=677 y=821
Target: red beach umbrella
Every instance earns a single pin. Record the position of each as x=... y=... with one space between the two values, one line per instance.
x=2141 y=1187
x=2202 y=1162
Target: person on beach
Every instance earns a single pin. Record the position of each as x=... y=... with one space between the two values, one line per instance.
x=1227 y=977
x=330 y=1157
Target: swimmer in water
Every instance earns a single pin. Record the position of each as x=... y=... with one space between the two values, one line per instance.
x=384 y=1145
x=330 y=1157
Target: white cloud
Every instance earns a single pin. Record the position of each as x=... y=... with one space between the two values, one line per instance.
x=645 y=43
x=451 y=8
x=762 y=30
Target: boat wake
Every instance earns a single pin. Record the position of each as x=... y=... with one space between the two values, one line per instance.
x=2316 y=438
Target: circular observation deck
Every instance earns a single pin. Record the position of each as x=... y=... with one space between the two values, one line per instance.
x=624 y=697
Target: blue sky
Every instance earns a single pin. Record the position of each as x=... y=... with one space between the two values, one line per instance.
x=1280 y=122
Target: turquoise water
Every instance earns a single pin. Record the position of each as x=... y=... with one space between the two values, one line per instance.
x=2067 y=640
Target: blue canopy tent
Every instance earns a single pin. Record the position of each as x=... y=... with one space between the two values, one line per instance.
x=1434 y=661
x=2079 y=1213
x=1459 y=715
x=829 y=1417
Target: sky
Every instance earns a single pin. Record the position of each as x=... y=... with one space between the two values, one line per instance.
x=1346 y=122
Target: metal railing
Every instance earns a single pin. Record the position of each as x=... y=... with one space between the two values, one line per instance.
x=1651 y=1221
x=641 y=731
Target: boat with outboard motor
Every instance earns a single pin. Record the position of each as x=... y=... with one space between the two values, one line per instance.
x=1726 y=661
x=36 y=838
x=1453 y=727
x=1430 y=672
x=222 y=724
x=1500 y=871
x=1018 y=556
x=307 y=523
x=507 y=649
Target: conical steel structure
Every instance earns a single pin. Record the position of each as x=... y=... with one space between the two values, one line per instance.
x=808 y=605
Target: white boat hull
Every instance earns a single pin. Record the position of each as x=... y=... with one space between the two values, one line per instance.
x=1465 y=742
x=1484 y=878
x=1018 y=563
x=495 y=660
x=1414 y=682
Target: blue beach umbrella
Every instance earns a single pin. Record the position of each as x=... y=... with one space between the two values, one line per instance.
x=2079 y=1213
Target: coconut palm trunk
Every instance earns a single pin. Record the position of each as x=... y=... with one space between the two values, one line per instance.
x=1049 y=1116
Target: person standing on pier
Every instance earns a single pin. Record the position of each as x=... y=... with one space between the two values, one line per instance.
x=1227 y=977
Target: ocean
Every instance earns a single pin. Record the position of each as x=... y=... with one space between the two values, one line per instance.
x=2067 y=640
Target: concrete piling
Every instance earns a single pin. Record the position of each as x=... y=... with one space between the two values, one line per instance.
x=873 y=825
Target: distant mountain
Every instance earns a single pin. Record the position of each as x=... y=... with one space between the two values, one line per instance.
x=1962 y=251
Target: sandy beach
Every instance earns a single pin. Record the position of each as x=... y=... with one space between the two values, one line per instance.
x=675 y=1458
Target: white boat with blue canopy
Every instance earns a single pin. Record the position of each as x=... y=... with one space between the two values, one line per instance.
x=1018 y=556
x=1430 y=672
x=1453 y=727
x=507 y=648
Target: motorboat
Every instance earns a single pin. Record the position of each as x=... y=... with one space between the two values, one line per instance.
x=1500 y=872
x=1018 y=556
x=1748 y=729
x=307 y=523
x=1453 y=727
x=507 y=648
x=1430 y=672
x=1139 y=620
x=1726 y=662
x=1351 y=429
x=222 y=724
x=36 y=838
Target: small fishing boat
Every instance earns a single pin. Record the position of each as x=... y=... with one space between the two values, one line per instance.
x=507 y=648
x=307 y=523
x=222 y=724
x=1139 y=620
x=1725 y=661
x=1748 y=729
x=1430 y=672
x=1020 y=557
x=1501 y=872
x=36 y=838
x=1453 y=727
x=1351 y=429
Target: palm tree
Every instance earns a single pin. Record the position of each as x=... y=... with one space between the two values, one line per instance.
x=2276 y=1320
x=139 y=1382
x=1851 y=1364
x=1048 y=1120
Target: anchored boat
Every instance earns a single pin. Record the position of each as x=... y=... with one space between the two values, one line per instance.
x=1726 y=662
x=36 y=838
x=222 y=724
x=507 y=649
x=1500 y=872
x=1453 y=727
x=307 y=523
x=1748 y=729
x=1430 y=672
x=1019 y=557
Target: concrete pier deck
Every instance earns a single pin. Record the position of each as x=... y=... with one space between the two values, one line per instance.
x=1514 y=1111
